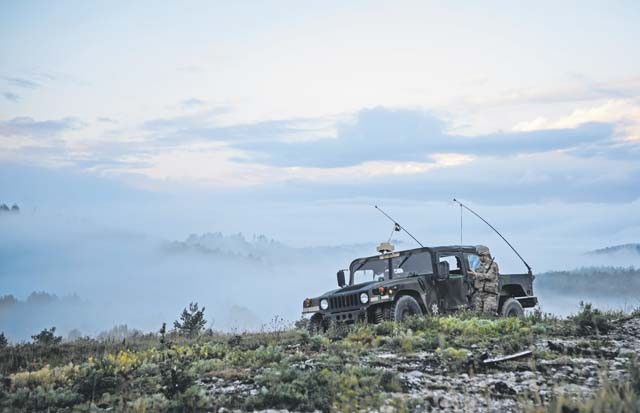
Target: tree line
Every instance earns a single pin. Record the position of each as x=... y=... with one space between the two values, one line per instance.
x=5 y=208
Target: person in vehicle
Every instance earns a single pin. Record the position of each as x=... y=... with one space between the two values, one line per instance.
x=485 y=298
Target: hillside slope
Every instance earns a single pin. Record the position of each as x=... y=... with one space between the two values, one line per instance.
x=427 y=363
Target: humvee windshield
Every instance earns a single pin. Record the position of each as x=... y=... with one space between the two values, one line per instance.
x=377 y=269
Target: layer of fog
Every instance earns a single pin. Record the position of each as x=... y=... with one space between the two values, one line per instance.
x=124 y=277
x=139 y=265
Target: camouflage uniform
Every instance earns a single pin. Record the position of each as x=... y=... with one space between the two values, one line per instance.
x=485 y=299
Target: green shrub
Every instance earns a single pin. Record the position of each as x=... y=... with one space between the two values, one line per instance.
x=386 y=328
x=456 y=359
x=156 y=402
x=191 y=322
x=589 y=320
x=96 y=378
x=47 y=337
x=42 y=399
x=268 y=355
x=349 y=389
x=175 y=376
x=192 y=399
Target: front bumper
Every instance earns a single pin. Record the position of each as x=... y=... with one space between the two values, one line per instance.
x=347 y=316
x=351 y=316
x=309 y=310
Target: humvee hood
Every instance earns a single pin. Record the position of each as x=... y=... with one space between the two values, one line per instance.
x=351 y=288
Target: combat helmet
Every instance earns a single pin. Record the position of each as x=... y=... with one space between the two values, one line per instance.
x=483 y=250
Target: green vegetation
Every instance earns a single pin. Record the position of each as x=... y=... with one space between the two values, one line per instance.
x=342 y=370
x=590 y=320
x=192 y=321
x=47 y=337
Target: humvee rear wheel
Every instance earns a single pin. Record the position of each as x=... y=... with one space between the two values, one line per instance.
x=512 y=308
x=406 y=306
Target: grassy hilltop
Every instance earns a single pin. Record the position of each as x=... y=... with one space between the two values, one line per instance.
x=583 y=363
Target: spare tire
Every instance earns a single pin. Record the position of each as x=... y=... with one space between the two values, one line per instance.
x=406 y=306
x=512 y=308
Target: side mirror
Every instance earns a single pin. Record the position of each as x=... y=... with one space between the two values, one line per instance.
x=341 y=282
x=443 y=270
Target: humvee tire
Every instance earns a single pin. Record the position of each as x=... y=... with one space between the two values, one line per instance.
x=316 y=325
x=405 y=306
x=512 y=308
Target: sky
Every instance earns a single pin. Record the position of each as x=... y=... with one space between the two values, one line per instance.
x=292 y=119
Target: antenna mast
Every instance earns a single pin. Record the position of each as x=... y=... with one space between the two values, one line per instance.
x=398 y=226
x=460 y=223
x=492 y=227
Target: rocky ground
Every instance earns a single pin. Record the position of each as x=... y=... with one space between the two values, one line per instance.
x=427 y=364
x=570 y=367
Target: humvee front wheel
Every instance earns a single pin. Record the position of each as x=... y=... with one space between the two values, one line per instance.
x=512 y=308
x=316 y=325
x=406 y=306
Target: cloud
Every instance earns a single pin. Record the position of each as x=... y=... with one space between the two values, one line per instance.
x=203 y=126
x=377 y=152
x=193 y=103
x=623 y=113
x=521 y=179
x=26 y=126
x=104 y=119
x=11 y=97
x=581 y=90
x=186 y=124
x=372 y=135
x=409 y=135
x=21 y=82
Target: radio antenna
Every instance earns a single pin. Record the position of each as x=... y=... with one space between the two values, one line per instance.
x=461 y=224
x=493 y=228
x=397 y=226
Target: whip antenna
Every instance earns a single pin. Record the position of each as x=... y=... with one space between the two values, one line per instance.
x=460 y=223
x=397 y=226
x=492 y=227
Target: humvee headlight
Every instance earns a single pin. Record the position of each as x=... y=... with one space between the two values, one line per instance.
x=307 y=302
x=324 y=304
x=364 y=298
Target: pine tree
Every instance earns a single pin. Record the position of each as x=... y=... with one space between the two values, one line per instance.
x=192 y=321
x=47 y=337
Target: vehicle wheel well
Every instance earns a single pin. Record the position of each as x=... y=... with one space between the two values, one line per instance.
x=509 y=291
x=513 y=290
x=413 y=294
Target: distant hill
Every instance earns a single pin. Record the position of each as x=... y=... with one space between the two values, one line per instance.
x=617 y=249
x=262 y=248
x=590 y=281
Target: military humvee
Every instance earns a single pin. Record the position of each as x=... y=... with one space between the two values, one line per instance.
x=394 y=285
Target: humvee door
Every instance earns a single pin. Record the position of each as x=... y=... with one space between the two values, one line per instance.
x=454 y=291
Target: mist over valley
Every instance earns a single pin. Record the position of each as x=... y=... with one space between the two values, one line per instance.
x=87 y=277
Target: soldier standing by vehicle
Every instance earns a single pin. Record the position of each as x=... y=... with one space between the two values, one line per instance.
x=485 y=299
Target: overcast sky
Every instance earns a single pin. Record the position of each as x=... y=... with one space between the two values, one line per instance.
x=293 y=118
